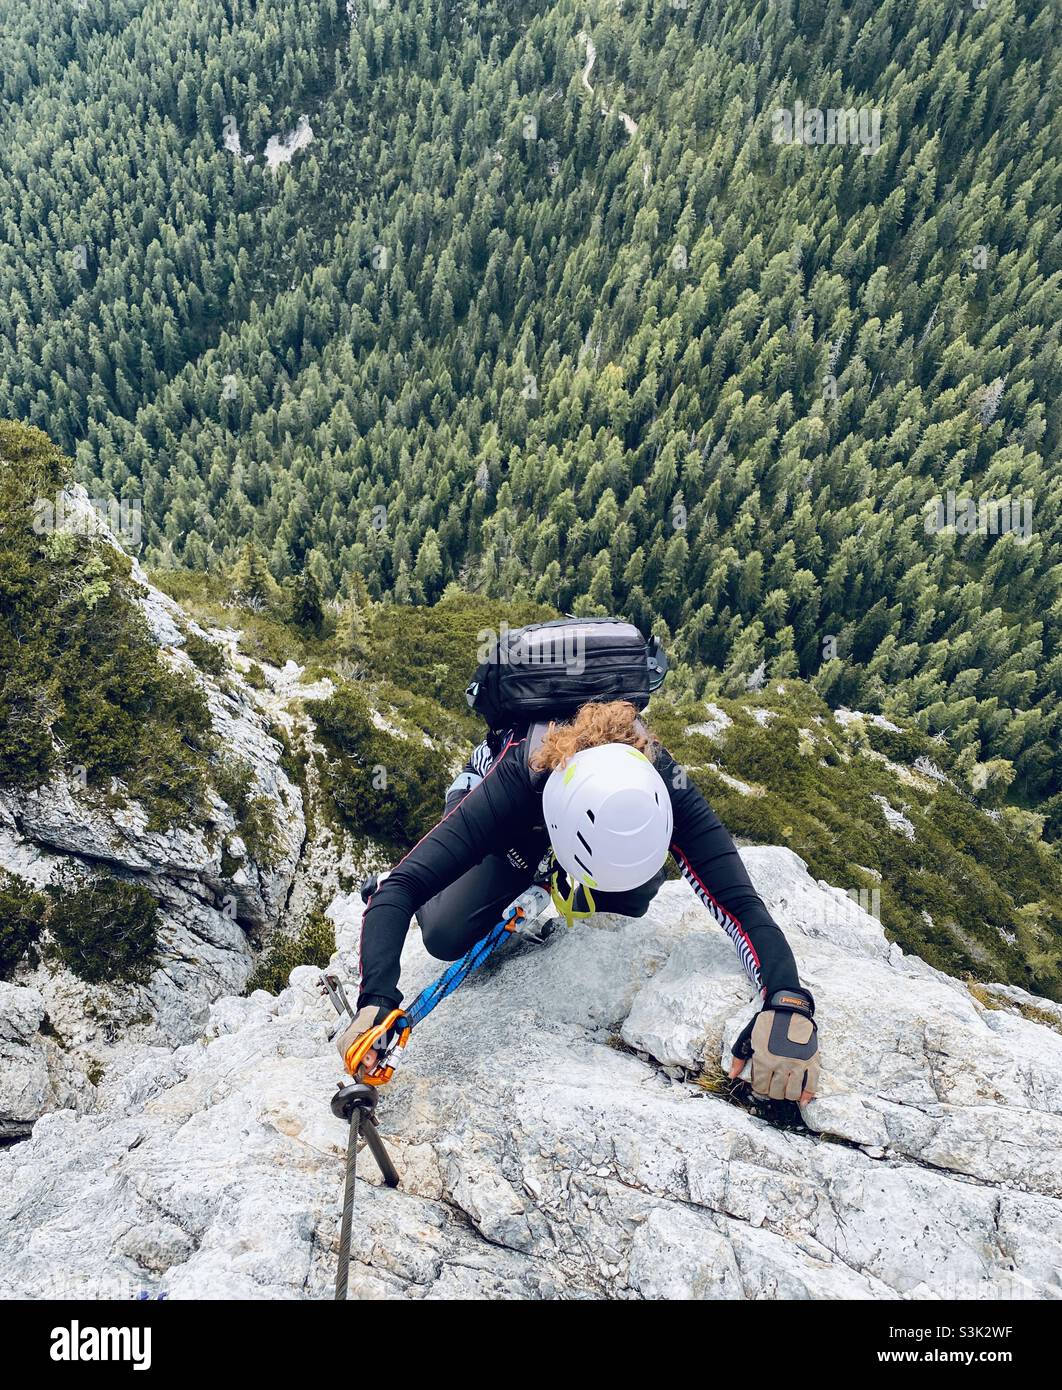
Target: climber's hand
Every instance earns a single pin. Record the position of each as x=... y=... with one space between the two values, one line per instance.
x=368 y=1016
x=783 y=1043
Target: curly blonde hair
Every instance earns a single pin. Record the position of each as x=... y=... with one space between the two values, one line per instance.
x=615 y=722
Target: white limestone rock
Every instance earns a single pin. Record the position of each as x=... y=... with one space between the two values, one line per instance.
x=718 y=720
x=206 y=903
x=25 y=1086
x=895 y=819
x=545 y=1152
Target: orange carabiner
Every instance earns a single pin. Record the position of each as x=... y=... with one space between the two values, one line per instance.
x=356 y=1053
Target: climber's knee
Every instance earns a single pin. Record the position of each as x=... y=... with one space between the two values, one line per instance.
x=464 y=913
x=442 y=932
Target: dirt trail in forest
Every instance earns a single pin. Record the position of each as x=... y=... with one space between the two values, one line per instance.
x=591 y=59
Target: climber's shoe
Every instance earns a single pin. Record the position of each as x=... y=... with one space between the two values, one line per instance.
x=783 y=1043
x=372 y=884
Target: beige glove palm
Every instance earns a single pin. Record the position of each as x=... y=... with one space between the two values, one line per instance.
x=782 y=1044
x=367 y=1017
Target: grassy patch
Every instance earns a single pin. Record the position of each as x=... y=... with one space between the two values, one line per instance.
x=716 y=1082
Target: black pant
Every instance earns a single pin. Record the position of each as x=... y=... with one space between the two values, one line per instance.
x=464 y=913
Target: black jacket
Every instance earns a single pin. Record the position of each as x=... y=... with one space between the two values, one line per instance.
x=504 y=810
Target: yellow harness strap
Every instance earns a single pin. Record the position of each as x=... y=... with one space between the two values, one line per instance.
x=565 y=905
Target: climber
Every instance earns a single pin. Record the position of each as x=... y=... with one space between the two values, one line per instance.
x=600 y=802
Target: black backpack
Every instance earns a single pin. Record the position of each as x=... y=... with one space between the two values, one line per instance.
x=547 y=670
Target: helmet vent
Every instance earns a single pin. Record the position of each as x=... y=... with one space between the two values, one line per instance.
x=579 y=837
x=585 y=868
x=591 y=815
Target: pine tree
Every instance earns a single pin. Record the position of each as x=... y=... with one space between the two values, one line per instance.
x=251 y=580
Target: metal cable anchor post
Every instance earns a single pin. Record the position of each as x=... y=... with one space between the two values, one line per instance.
x=356 y=1103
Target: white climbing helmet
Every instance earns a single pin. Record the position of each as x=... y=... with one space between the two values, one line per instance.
x=609 y=818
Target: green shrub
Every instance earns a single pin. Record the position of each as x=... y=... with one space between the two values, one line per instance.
x=207 y=655
x=1052 y=809
x=260 y=832
x=105 y=931
x=233 y=780
x=82 y=685
x=907 y=745
x=379 y=784
x=767 y=755
x=26 y=749
x=255 y=814
x=422 y=714
x=313 y=945
x=265 y=639
x=22 y=911
x=432 y=650
x=992 y=891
